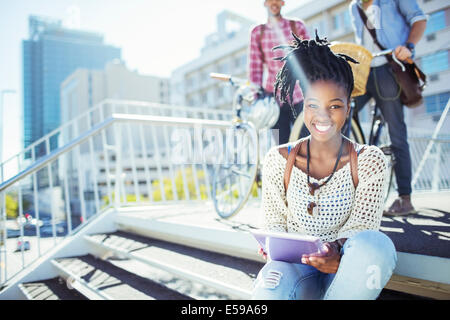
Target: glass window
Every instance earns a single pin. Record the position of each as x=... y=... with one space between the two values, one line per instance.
x=337 y=22
x=435 y=62
x=346 y=19
x=436 y=103
x=436 y=22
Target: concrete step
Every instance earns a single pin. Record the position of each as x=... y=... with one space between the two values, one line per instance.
x=51 y=289
x=100 y=280
x=219 y=276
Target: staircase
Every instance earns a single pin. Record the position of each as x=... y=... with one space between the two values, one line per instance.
x=123 y=264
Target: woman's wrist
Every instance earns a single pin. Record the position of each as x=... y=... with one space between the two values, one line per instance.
x=338 y=244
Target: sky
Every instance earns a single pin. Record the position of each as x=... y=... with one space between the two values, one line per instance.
x=156 y=37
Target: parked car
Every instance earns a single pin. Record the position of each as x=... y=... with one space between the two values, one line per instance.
x=25 y=244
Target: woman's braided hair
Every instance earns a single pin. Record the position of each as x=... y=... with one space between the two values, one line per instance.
x=307 y=62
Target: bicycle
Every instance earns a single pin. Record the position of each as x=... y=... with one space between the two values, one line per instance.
x=234 y=177
x=377 y=136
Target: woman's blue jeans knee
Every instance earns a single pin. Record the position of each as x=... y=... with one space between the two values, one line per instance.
x=367 y=263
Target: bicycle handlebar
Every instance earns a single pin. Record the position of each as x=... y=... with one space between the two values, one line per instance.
x=220 y=76
x=233 y=80
x=391 y=52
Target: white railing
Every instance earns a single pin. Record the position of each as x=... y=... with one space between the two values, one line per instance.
x=430 y=154
x=122 y=160
x=85 y=120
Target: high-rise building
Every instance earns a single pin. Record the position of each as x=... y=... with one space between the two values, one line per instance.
x=51 y=53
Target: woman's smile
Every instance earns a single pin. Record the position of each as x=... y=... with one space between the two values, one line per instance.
x=322 y=128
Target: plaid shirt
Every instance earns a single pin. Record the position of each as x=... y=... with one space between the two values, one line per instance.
x=271 y=38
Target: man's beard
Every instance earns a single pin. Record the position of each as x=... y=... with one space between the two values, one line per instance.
x=275 y=15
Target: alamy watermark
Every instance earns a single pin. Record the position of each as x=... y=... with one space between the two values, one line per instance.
x=373 y=14
x=200 y=145
x=374 y=280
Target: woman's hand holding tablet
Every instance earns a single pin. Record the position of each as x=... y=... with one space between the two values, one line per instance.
x=288 y=247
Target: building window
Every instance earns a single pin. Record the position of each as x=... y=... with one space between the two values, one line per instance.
x=437 y=102
x=219 y=92
x=435 y=62
x=237 y=62
x=346 y=19
x=436 y=22
x=337 y=22
x=204 y=99
x=189 y=83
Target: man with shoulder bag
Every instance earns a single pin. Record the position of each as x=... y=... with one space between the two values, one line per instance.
x=397 y=25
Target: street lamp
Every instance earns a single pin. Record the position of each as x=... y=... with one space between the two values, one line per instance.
x=3 y=217
x=2 y=92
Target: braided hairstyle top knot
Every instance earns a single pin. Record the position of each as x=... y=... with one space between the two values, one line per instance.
x=308 y=61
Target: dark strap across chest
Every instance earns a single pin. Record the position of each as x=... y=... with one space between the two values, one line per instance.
x=290 y=161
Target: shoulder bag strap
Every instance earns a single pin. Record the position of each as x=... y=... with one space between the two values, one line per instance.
x=289 y=164
x=353 y=163
x=371 y=31
x=261 y=33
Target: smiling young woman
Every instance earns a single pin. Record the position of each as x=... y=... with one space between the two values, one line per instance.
x=322 y=199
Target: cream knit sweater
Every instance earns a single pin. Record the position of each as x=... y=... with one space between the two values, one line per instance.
x=342 y=210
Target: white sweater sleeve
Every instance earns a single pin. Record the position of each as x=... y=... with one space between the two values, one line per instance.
x=273 y=193
x=369 y=195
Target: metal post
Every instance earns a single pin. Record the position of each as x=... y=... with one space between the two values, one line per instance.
x=430 y=144
x=36 y=204
x=50 y=181
x=132 y=155
x=157 y=157
x=436 y=170
x=3 y=262
x=21 y=219
x=67 y=196
x=93 y=168
x=146 y=162
x=106 y=156
x=118 y=184
x=174 y=187
x=80 y=178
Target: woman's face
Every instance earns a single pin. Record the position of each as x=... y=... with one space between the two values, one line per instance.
x=326 y=108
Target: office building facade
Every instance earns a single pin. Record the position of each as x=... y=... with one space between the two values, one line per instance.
x=51 y=53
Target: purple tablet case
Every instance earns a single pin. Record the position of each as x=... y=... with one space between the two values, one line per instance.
x=281 y=248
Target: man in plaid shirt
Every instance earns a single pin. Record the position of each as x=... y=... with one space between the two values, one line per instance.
x=263 y=38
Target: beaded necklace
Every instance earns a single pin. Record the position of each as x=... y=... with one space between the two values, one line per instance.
x=315 y=186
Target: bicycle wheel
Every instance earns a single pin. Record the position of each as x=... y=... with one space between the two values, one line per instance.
x=356 y=132
x=235 y=174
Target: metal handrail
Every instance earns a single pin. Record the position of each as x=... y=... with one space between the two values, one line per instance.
x=117 y=117
x=117 y=103
x=115 y=197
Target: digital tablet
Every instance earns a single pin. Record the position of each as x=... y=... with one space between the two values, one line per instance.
x=288 y=247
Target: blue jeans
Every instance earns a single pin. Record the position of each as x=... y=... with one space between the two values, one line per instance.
x=383 y=87
x=367 y=263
